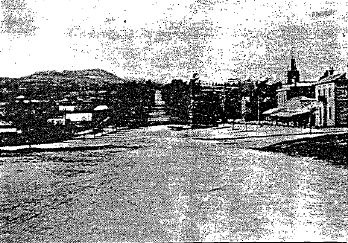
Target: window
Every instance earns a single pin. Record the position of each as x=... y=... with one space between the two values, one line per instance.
x=330 y=115
x=329 y=92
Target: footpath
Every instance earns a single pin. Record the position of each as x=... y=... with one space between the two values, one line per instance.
x=239 y=135
x=256 y=136
x=84 y=140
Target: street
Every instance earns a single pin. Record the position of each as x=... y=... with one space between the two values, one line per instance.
x=172 y=188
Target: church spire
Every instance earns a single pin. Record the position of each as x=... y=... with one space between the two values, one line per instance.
x=293 y=73
x=293 y=63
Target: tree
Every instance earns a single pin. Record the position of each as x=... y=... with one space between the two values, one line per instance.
x=177 y=99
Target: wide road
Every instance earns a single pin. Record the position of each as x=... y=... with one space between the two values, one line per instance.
x=172 y=188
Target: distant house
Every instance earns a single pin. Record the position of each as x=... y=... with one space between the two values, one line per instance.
x=66 y=107
x=79 y=116
x=8 y=133
x=332 y=92
x=20 y=97
x=7 y=128
x=3 y=108
x=76 y=117
x=75 y=112
x=158 y=113
x=57 y=121
x=79 y=113
x=101 y=108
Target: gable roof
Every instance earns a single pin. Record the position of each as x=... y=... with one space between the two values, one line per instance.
x=332 y=78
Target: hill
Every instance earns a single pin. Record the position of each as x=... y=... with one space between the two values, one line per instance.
x=87 y=77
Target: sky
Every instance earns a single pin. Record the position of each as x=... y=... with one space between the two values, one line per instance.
x=163 y=40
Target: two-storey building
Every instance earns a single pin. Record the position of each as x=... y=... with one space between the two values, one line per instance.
x=332 y=92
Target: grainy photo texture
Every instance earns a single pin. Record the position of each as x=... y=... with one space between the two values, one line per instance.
x=173 y=121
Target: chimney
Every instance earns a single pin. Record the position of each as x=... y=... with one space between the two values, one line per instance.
x=331 y=71
x=325 y=75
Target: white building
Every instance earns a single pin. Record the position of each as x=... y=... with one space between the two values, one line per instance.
x=7 y=127
x=79 y=116
x=66 y=107
x=57 y=121
x=332 y=93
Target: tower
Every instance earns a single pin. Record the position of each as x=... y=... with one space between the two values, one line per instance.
x=293 y=73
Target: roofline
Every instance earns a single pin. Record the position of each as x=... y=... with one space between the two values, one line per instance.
x=302 y=84
x=331 y=79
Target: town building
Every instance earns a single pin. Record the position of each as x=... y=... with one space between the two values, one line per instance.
x=67 y=107
x=331 y=91
x=158 y=115
x=296 y=103
x=7 y=128
x=298 y=111
x=158 y=109
x=8 y=132
x=57 y=121
x=293 y=87
x=79 y=116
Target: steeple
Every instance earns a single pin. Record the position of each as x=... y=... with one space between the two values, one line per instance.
x=293 y=64
x=293 y=73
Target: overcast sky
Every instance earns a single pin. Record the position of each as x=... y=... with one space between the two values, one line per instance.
x=166 y=39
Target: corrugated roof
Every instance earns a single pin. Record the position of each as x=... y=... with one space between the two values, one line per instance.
x=293 y=107
x=291 y=113
x=271 y=111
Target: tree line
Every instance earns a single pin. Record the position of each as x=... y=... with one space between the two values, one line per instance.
x=196 y=104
